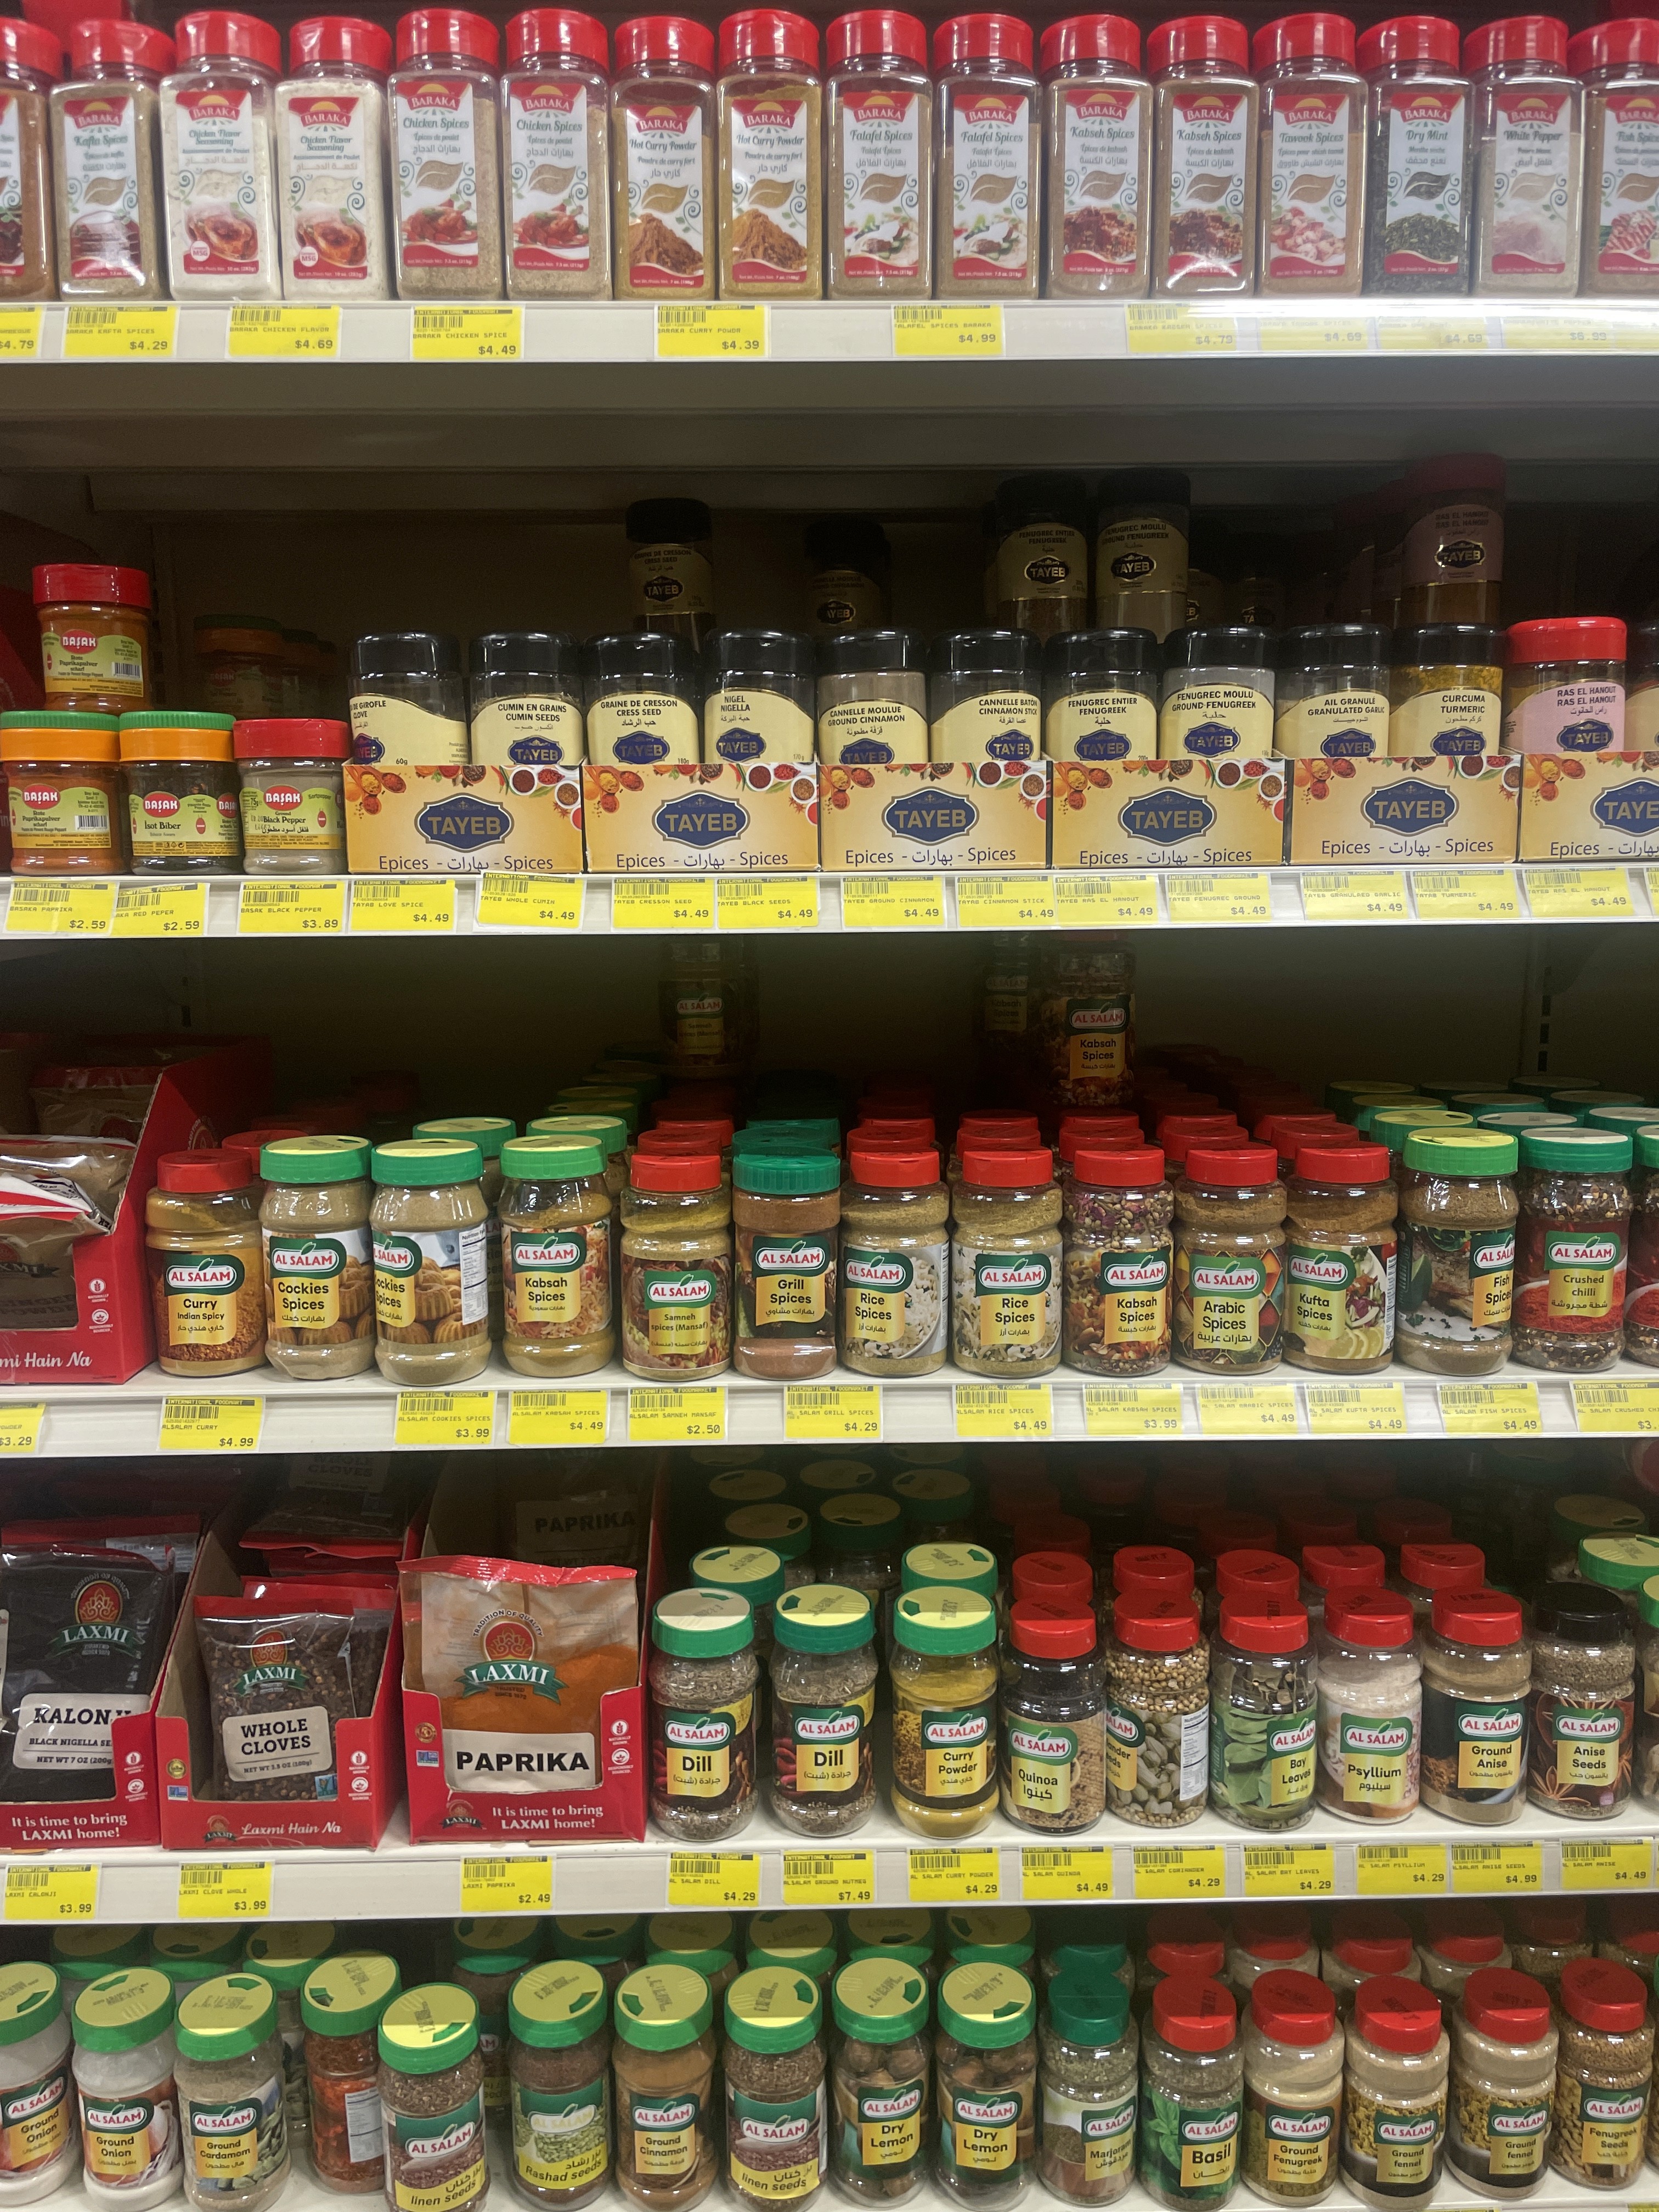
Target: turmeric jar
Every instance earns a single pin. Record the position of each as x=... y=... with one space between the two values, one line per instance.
x=94 y=636
x=62 y=793
x=203 y=1249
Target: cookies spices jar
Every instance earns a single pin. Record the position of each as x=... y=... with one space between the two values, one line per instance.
x=316 y=1259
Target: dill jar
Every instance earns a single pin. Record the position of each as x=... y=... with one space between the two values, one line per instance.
x=1088 y=2050
x=823 y=1672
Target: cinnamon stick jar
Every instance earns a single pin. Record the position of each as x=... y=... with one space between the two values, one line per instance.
x=786 y=1208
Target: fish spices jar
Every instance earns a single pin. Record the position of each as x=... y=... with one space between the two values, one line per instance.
x=1394 y=2109
x=232 y=2096
x=1053 y=1706
x=1370 y=1709
x=292 y=772
x=1341 y=1255
x=1006 y=1264
x=987 y=2057
x=944 y=1691
x=1575 y=1216
x=125 y=2058
x=1503 y=2080
x=1477 y=1671
x=558 y=2016
x=183 y=802
x=667 y=2126
x=703 y=1673
x=824 y=1672
x=1157 y=1711
x=1580 y=1745
x=1097 y=110
x=1192 y=2094
x=880 y=2087
x=1088 y=2056
x=1457 y=1238
x=773 y=2060
x=432 y=2074
x=341 y=2003
x=1603 y=2080
x=1229 y=1261
x=1264 y=1713
x=1293 y=2053
x=1117 y=1262
x=988 y=159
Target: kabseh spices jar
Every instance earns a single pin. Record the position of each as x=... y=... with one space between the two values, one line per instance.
x=1293 y=2053
x=232 y=2102
x=786 y=1207
x=1340 y=1259
x=1229 y=1261
x=1084 y=1018
x=1052 y=1705
x=443 y=116
x=986 y=2056
x=676 y=1291
x=777 y=2147
x=663 y=137
x=1088 y=2050
x=768 y=103
x=1476 y=1675
x=558 y=2063
x=1503 y=2080
x=1117 y=1262
x=1393 y=2107
x=341 y=2002
x=1097 y=110
x=1419 y=158
x=880 y=2089
x=1157 y=1711
x=1575 y=1213
x=1580 y=1745
x=895 y=1266
x=431 y=1233
x=202 y=1247
x=318 y=1263
x=30 y=62
x=1263 y=1714
x=1313 y=135
x=1192 y=2094
x=667 y=2126
x=556 y=1220
x=703 y=1673
x=556 y=164
x=1604 y=2077
x=1370 y=1709
x=104 y=125
x=291 y=774
x=125 y=2058
x=1204 y=191
x=988 y=160
x=94 y=636
x=1006 y=1264
x=1563 y=691
x=63 y=792
x=1527 y=113
x=944 y=1687
x=824 y=1672
x=184 y=815
x=432 y=2073
x=1446 y=691
x=1457 y=1238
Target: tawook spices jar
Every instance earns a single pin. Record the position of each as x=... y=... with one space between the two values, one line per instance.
x=767 y=105
x=824 y=1674
x=1575 y=1214
x=1457 y=1238
x=1564 y=690
x=667 y=2126
x=125 y=2058
x=1528 y=121
x=218 y=157
x=341 y=2003
x=203 y=1249
x=1088 y=2055
x=1603 y=2080
x=1580 y=1749
x=988 y=160
x=1157 y=1711
x=1116 y=1261
x=318 y=1262
x=331 y=161
x=232 y=2103
x=556 y=1230
x=1229 y=1261
x=879 y=116
x=675 y=1266
x=291 y=772
x=703 y=1673
x=558 y=2017
x=895 y=1262
x=1204 y=191
x=105 y=125
x=555 y=97
x=431 y=1237
x=880 y=2088
x=184 y=815
x=1503 y=2080
x=1419 y=158
x=1340 y=1259
x=1370 y=1709
x=777 y=2144
x=30 y=62
x=1263 y=1714
x=432 y=2074
x=1097 y=112
x=986 y=2068
x=944 y=1687
x=94 y=636
x=1393 y=2107
x=786 y=1208
x=1618 y=62
x=662 y=159
x=1477 y=1671
x=1192 y=2094
x=1005 y=1265
x=446 y=156
x=1054 y=1699
x=63 y=792
x=1293 y=2053
x=1310 y=192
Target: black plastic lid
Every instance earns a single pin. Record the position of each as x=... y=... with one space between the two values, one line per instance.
x=1642 y=649
x=873 y=651
x=744 y=656
x=1077 y=655
x=1011 y=653
x=1143 y=488
x=1334 y=645
x=1220 y=645
x=1045 y=495
x=648 y=656
x=846 y=541
x=668 y=522
x=550 y=652
x=404 y=653
x=1582 y=1613
x=1456 y=644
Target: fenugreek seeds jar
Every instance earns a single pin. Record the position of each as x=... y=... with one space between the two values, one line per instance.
x=1229 y=1261
x=1604 y=2077
x=944 y=1688
x=1457 y=1215
x=1157 y=1711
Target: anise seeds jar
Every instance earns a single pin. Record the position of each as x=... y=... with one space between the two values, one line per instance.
x=94 y=636
x=63 y=786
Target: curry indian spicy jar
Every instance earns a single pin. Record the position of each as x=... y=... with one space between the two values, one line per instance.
x=94 y=636
x=183 y=818
x=62 y=791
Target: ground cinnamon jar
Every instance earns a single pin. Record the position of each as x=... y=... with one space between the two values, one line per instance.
x=95 y=636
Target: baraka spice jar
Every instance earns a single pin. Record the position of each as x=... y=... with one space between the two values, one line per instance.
x=988 y=159
x=1570 y=1260
x=1097 y=112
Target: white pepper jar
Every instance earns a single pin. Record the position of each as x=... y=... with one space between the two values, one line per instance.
x=331 y=159
x=219 y=159
x=1529 y=157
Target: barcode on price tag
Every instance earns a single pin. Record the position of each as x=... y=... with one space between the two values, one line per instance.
x=1397 y=1870
x=161 y=911
x=719 y=1880
x=507 y=1884
x=1289 y=1871
x=828 y=1878
x=1059 y=1874
x=316 y=909
x=971 y=1875
x=832 y=1412
x=59 y=909
x=1192 y=1870
x=52 y=1893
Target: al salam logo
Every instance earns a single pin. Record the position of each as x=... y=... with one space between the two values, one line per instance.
x=700 y=818
x=1630 y=808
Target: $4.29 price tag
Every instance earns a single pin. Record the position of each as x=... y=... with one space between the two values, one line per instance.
x=506 y=1883
x=52 y=1893
x=726 y=1881
x=228 y=1889
x=1289 y=1870
x=832 y=1412
x=967 y=1875
x=1400 y=1869
x=444 y=1417
x=1181 y=1870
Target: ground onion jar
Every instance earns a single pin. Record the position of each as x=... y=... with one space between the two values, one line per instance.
x=35 y=2082
x=558 y=2064
x=1263 y=1714
x=1580 y=1743
x=1457 y=1215
x=1229 y=1261
x=555 y=1236
x=1293 y=2052
x=1476 y=1674
x=1340 y=1259
x=944 y=1690
x=1117 y=1220
x=1192 y=2094
x=1603 y=2081
x=341 y=2002
x=1394 y=2110
x=986 y=2056
x=1088 y=2050
x=232 y=2099
x=1371 y=1709
x=1575 y=1214
x=125 y=2058
x=1503 y=2079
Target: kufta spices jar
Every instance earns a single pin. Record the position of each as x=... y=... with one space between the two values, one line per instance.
x=1340 y=1251
x=105 y=125
x=667 y=2125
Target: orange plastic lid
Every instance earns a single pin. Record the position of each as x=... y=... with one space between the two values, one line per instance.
x=175 y=745
x=101 y=748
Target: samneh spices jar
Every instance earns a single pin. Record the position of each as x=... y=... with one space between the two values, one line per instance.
x=408 y=701
x=526 y=689
x=1528 y=113
x=1446 y=691
x=331 y=162
x=676 y=1291
x=1192 y=2094
x=988 y=2085
x=1053 y=1753
x=341 y=2003
x=662 y=158
x=292 y=774
x=1420 y=157
x=1476 y=1675
x=1580 y=1748
x=776 y=2120
x=432 y=2086
x=232 y=2109
x=989 y=154
x=667 y=2124
x=1097 y=130
x=555 y=97
x=767 y=105
x=1603 y=2080
x=63 y=792
x=703 y=1674
x=642 y=696
x=30 y=62
x=1564 y=691
x=823 y=1691
x=219 y=159
x=985 y=692
x=1394 y=2113
x=1100 y=699
x=104 y=128
x=1043 y=554
x=1331 y=698
x=558 y=2053
x=94 y=636
x=1310 y=189
x=1204 y=233
x=880 y=2130
x=445 y=160
x=1575 y=1217
x=759 y=688
x=124 y=2061
x=1618 y=62
x=944 y=1687
x=1503 y=2081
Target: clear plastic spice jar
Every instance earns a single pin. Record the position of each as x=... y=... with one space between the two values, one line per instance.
x=94 y=636
x=1293 y=2052
x=104 y=128
x=1157 y=1711
x=1647 y=1726
x=124 y=2061
x=525 y=686
x=1459 y=1940
x=785 y=1211
x=219 y=159
x=331 y=166
x=667 y=2125
x=1053 y=1706
x=1097 y=109
x=1181 y=1940
x=614 y=1943
x=706 y=1941
x=1229 y=1261
x=1088 y=2048
x=446 y=171
x=487 y=1955
x=1100 y=695
x=1218 y=692
x=1204 y=220
x=985 y=690
x=1370 y=1709
x=663 y=138
x=1313 y=135
x=284 y=1953
x=1330 y=695
x=555 y=166
x=1192 y=2094
x=407 y=699
x=232 y=2096
x=555 y=1230
x=1580 y=1745
x=879 y=106
x=1263 y=1714
x=1117 y=1262
x=895 y=1262
x=1006 y=1264
x=240 y=662
x=758 y=689
x=183 y=805
x=703 y=1673
x=558 y=2064
x=1265 y=1939
x=1503 y=2080
x=30 y=62
x=675 y=1266
x=1618 y=62
x=1457 y=1238
x=202 y=1245
x=1394 y=2113
x=1043 y=586
x=1575 y=1212
x=880 y=2087
x=1545 y=1933
x=1477 y=1671
x=1419 y=160
x=1620 y=1564
x=773 y=2060
x=768 y=109
x=751 y=1570
x=1603 y=2080
x=1527 y=117
x=1563 y=691
x=317 y=1264
x=35 y=2082
x=1582 y=1514
x=63 y=792
x=432 y=2073
x=823 y=1671
x=341 y=2002
x=291 y=774
x=986 y=2056
x=988 y=160
x=431 y=1232
x=944 y=1675
x=1341 y=1256
x=1446 y=691
x=1143 y=521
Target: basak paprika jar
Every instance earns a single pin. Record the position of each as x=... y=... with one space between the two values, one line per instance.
x=1570 y=1261
x=183 y=817
x=291 y=774
x=63 y=790
x=94 y=636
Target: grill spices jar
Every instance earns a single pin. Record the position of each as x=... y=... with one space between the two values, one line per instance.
x=230 y=2063
x=776 y=2131
x=558 y=2057
x=63 y=792
x=988 y=139
x=292 y=773
x=432 y=2072
x=1098 y=111
x=1603 y=2079
x=703 y=1673
x=1579 y=1748
x=667 y=2157
x=1571 y=1258
x=824 y=1672
x=881 y=2080
x=786 y=1208
x=988 y=2085
x=1116 y=1219
x=183 y=806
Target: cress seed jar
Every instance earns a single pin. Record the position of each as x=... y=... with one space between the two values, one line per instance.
x=292 y=773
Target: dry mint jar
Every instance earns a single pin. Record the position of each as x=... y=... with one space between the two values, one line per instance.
x=703 y=1673
x=1457 y=1239
x=183 y=805
x=824 y=1674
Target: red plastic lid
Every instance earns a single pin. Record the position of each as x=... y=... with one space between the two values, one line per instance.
x=1611 y=45
x=1053 y=1578
x=878 y=31
x=1340 y=1569
x=28 y=46
x=340 y=39
x=1316 y=1161
x=1557 y=1920
x=88 y=582
x=1020 y=1168
x=1246 y=1165
x=1317 y=1521
x=557 y=33
x=1193 y=2014
x=1111 y=1486
x=1302 y=38
x=1197 y=39
x=1634 y=1924
x=1512 y=2007
x=1178 y=1151
x=1185 y=1940
x=1484 y=1617
x=1381 y=1620
x=215 y=33
x=895 y=1171
x=299 y=737
x=1397 y=2014
x=1155 y=1624
x=1409 y=39
x=1264 y=1623
x=1467 y=1934
x=108 y=42
x=982 y=38
x=216 y=1169
x=1152 y=1571
x=1601 y=1993
x=448 y=31
x=1135 y=1167
x=1049 y=1631
x=1517 y=39
x=1398 y=1521
x=675 y=1171
x=1070 y=1142
x=1233 y=1532
x=713 y=1132
x=1371 y=1939
x=895 y=1128
x=1268 y=1126
x=1292 y=2007
x=1193 y=1125
x=1566 y=637
x=767 y=34
x=997 y=1122
x=1252 y=1574
x=1439 y=1567
x=1090 y=39
x=1043 y=1530
x=1273 y=1932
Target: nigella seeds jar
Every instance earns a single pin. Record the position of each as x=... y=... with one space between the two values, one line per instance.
x=1043 y=553
x=527 y=701
x=1100 y=695
x=642 y=700
x=984 y=696
x=407 y=699
x=758 y=696
x=1217 y=693
x=1446 y=691
x=1565 y=692
x=1331 y=697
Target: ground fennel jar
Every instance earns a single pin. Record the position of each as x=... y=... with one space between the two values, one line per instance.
x=1575 y=1212
x=1457 y=1239
x=1229 y=1261
x=558 y=2064
x=1503 y=2078
x=703 y=1673
x=676 y=1268
x=664 y=2061
x=776 y=2135
x=824 y=1691
x=1394 y=2110
x=1053 y=1698
x=1006 y=1264
x=1603 y=2081
x=232 y=2101
x=987 y=2057
x=1263 y=1714
x=1580 y=1750
x=556 y=1232
x=1116 y=1218
x=1340 y=1259
x=341 y=2002
x=1192 y=2088
x=944 y=1687
x=432 y=2076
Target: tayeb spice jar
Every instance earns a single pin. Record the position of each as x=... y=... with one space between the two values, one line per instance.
x=558 y=2054
x=1503 y=2078
x=988 y=2085
x=776 y=2137
x=1604 y=2077
x=1192 y=2094
x=1088 y=2056
x=1394 y=2110
x=1571 y=1261
x=1579 y=1748
x=1293 y=2052
x=232 y=2103
x=432 y=2076
x=824 y=1691
x=944 y=1687
x=880 y=2139
x=667 y=2128
x=703 y=1673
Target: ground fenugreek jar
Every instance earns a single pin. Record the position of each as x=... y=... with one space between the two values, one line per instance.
x=291 y=774
x=1575 y=1213
x=944 y=1688
x=1457 y=1238
x=63 y=792
x=1229 y=1261
x=1117 y=1262
x=94 y=636
x=1340 y=1259
x=184 y=815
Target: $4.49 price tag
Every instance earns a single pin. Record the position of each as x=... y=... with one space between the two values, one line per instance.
x=892 y=902
x=1490 y=1409
x=1626 y=1864
x=506 y=1883
x=1354 y=1409
x=768 y=902
x=557 y=1416
x=1005 y=902
x=687 y=903
x=1004 y=1409
x=529 y=901
x=1060 y=1874
x=466 y=333
x=380 y=904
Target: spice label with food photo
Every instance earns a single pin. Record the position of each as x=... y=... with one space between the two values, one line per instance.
x=1209 y=147
x=679 y=1305
x=665 y=2136
x=1627 y=237
x=956 y=1748
x=1423 y=197
x=547 y=177
x=1336 y=725
x=551 y=1281
x=1340 y=1304
x=129 y=2140
x=1455 y=722
x=1502 y=2140
x=788 y=1284
x=184 y=824
x=329 y=185
x=892 y=1303
x=1479 y=1744
x=235 y=2144
x=980 y=2134
x=742 y=725
x=662 y=155
x=990 y=157
x=434 y=140
x=1590 y=1742
x=885 y=2134
x=36 y=2122
x=82 y=661
x=219 y=180
x=700 y=1753
x=435 y=2161
x=1600 y=806
x=528 y=732
x=435 y=1280
x=1189 y=2147
x=1534 y=145
x=1006 y=1298
x=1456 y=1286
x=1376 y=1758
x=100 y=184
x=821 y=1750
x=1101 y=724
x=1605 y=2126
x=1106 y=2132
x=1308 y=223
x=318 y=1283
x=1101 y=216
x=1290 y=2147
x=771 y=201
x=995 y=726
x=777 y=2145
x=882 y=155
x=395 y=734
x=560 y=2137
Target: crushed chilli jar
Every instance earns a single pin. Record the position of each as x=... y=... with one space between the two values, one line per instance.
x=341 y=2002
x=1571 y=1258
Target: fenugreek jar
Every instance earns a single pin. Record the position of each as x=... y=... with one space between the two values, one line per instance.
x=1339 y=1260
x=1088 y=2054
x=1575 y=1213
x=1503 y=2080
x=944 y=1690
x=1393 y=2107
x=1006 y=1264
x=1157 y=1711
x=1477 y=1671
x=1116 y=1219
x=986 y=2056
x=1604 y=2077
x=1229 y=1261
x=880 y=2141
x=703 y=1673
x=1293 y=2052
x=1457 y=1217
x=824 y=1674
x=1580 y=1745
x=1546 y=1933
x=556 y=1214
x=676 y=1268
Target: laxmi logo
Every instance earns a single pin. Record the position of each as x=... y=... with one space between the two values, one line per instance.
x=701 y=819
x=1168 y=817
x=1631 y=808
x=930 y=816
x=1409 y=807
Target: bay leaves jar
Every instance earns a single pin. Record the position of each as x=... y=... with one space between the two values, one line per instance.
x=768 y=110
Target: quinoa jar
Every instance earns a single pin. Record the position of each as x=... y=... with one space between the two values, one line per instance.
x=1229 y=1261
x=63 y=792
x=558 y=2064
x=881 y=2078
x=1117 y=1220
x=432 y=2076
x=183 y=795
x=292 y=773
x=663 y=2064
x=1575 y=1218
x=1457 y=1238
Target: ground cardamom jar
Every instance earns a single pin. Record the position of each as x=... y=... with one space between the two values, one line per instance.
x=703 y=1674
x=1503 y=2078
x=1340 y=1262
x=776 y=2132
x=1575 y=1213
x=988 y=2085
x=880 y=2140
x=1604 y=2077
x=824 y=1690
x=1477 y=1670
x=230 y=2059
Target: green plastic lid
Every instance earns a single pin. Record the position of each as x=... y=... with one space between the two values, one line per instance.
x=484 y=1937
x=786 y=1175
x=543 y=1158
x=986 y=2006
x=169 y=717
x=588 y=1098
x=347 y=1994
x=1396 y=1134
x=1540 y=1086
x=314 y=1159
x=693 y=1938
x=936 y=1619
x=226 y=2018
x=608 y=1131
x=1629 y=1121
x=1619 y=1562
x=239 y=622
x=803 y=1941
x=772 y=2008
x=84 y=1954
x=1484 y=1102
x=1088 y=2009
x=1517 y=1119
x=601 y=1938
x=423 y=1162
x=856 y=1521
x=426 y=2030
x=488 y=1131
x=702 y=1623
x=122 y=2010
x=902 y=1932
x=1649 y=1604
x=951 y=1455
x=824 y=1617
x=30 y=1999
x=1445 y=1087
x=1578 y=1152
x=934 y=1494
x=836 y=1476
x=195 y=1945
x=58 y=718
x=751 y=1570
x=880 y=1999
x=784 y=1529
x=747 y=1485
x=1647 y=1146
x=1001 y=1933
x=1365 y=1117
x=1090 y=1960
x=1465 y=1153
x=1584 y=1513
x=286 y=1951
x=1583 y=1102
x=955 y=1566
x=463 y=1960
x=561 y=2002
x=663 y=2007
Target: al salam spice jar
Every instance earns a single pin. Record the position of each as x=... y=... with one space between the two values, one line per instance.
x=1192 y=2094
x=558 y=2064
x=232 y=2098
x=1340 y=1259
x=1570 y=1262
x=703 y=1673
x=1229 y=1261
x=776 y=2133
x=1503 y=2078
x=676 y=1268
x=823 y=1672
x=1005 y=1265
x=943 y=1689
x=203 y=1248
x=432 y=2074
x=1476 y=1674
x=987 y=2081
x=881 y=2080
x=1293 y=2053
x=1089 y=2052
x=667 y=2127
x=1603 y=2080
x=786 y=1208
x=1394 y=2113
x=1457 y=1216
x=1579 y=1751
x=1117 y=1262
x=1157 y=1711
x=341 y=2003
x=1053 y=1700
x=1370 y=1709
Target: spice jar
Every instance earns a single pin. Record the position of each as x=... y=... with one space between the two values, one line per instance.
x=487 y=1955
x=291 y=778
x=1053 y=1698
x=1527 y=113
x=894 y=1263
x=988 y=159
x=34 y=2082
x=1265 y=1939
x=879 y=2085
x=407 y=699
x=1192 y=2090
x=1579 y=1749
x=1631 y=1935
x=63 y=792
x=879 y=106
x=30 y=62
x=858 y=1545
x=703 y=1673
x=1370 y=1709
x=1042 y=572
x=613 y=1944
x=758 y=692
x=1452 y=546
x=1313 y=135
x=849 y=556
x=203 y=1244
x=1100 y=691
x=232 y=2101
x=784 y=1529
x=1459 y=1940
x=239 y=661
x=1575 y=1207
x=705 y=1941
x=1088 y=2048
x=1331 y=699
x=1181 y=1942
x=432 y=2087
x=1576 y=1517
x=675 y=1266
x=987 y=2059
x=1476 y=1674
x=1546 y=1932
x=670 y=577
x=1619 y=65
x=1098 y=134
x=1006 y=1264
x=1229 y=1261
x=558 y=2055
x=1621 y=1564
x=1419 y=158
x=1394 y=2113
x=1218 y=692
x=785 y=1211
x=1263 y=1714
x=104 y=127
x=823 y=1688
x=284 y=1954
x=1340 y=1259
x=1564 y=689
x=124 y=2062
x=1503 y=2078
x=341 y=2003
x=183 y=811
x=753 y=1572
x=1117 y=1265
x=446 y=169
x=1446 y=691
x=431 y=1233
x=218 y=157
x=1157 y=1718
x=1143 y=520
x=526 y=686
x=1293 y=2051
x=944 y=1685
x=1083 y=1015
x=1457 y=1216
x=663 y=143
x=985 y=693
x=317 y=1263
x=776 y=2125
x=1647 y=1653
x=555 y=1230
x=664 y=2061
x=331 y=161
x=555 y=164
x=642 y=700
x=771 y=184
x=1603 y=2081
x=1204 y=234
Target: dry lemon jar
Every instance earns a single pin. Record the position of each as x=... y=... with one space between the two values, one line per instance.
x=431 y=1227
x=555 y=1215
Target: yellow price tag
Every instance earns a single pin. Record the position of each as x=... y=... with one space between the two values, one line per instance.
x=1579 y=894
x=1112 y=902
x=1627 y=1864
x=1238 y=897
x=316 y=909
x=892 y=902
x=828 y=1878
x=1399 y=1870
x=1289 y=1870
x=735 y=331
x=1314 y=334
x=160 y=910
x=529 y=901
x=832 y=1412
x=1246 y=1409
x=20 y=1430
x=662 y=902
x=1464 y=895
x=58 y=909
x=119 y=333
x=20 y=334
x=1355 y=1409
x=1490 y=1409
x=716 y=1881
x=467 y=333
x=968 y=1874
x=768 y=902
x=987 y=1410
x=382 y=904
x=284 y=334
x=1354 y=894
x=1451 y=333
x=1618 y=1409
x=1179 y=328
x=225 y=1889
x=1005 y=902
x=1548 y=334
x=684 y=1414
x=52 y=1893
x=557 y=1416
x=506 y=1884
x=1132 y=1409
x=228 y=1425
x=1178 y=1870
x=1478 y=1869
x=1057 y=1874
x=444 y=1417
x=935 y=333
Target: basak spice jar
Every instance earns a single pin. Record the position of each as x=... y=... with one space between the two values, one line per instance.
x=291 y=774
x=94 y=636
x=62 y=793
x=183 y=814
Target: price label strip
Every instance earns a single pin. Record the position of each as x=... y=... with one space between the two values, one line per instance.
x=1246 y=1409
x=953 y=333
x=1627 y=1864
x=1579 y=894
x=444 y=1417
x=161 y=911
x=557 y=1416
x=1109 y=901
x=529 y=901
x=1180 y=1870
x=284 y=334
x=684 y=1415
x=1355 y=1409
x=1616 y=1409
x=734 y=330
x=1242 y=898
x=1463 y=895
x=466 y=333
x=226 y=1889
x=20 y=334
x=291 y=909
x=1354 y=894
x=505 y=1883
x=224 y=1424
x=892 y=902
x=832 y=1412
x=1431 y=333
x=682 y=903
x=1132 y=1409
x=39 y=909
x=1490 y=1409
x=722 y=1882
x=20 y=1430
x=828 y=1878
x=1546 y=334
x=1477 y=1869
x=968 y=1875
x=56 y=1891
x=380 y=906
x=1179 y=330
x=120 y=333
x=1314 y=334
x=1289 y=1870
x=1057 y=1874
x=1400 y=1869
x=985 y=1409
x=1005 y=902
x=769 y=903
